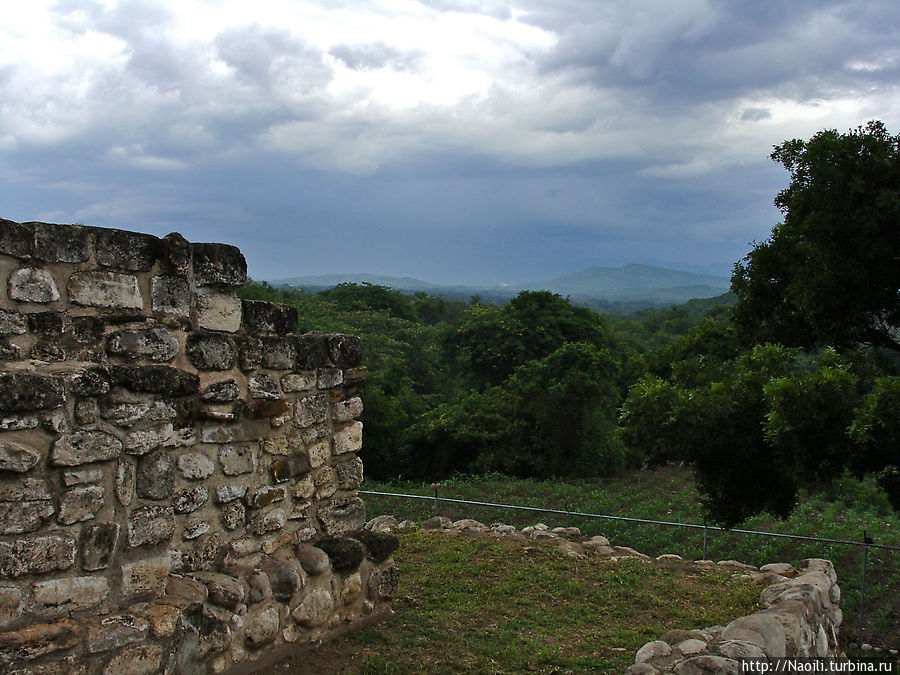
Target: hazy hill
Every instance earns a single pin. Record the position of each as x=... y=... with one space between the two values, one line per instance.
x=637 y=285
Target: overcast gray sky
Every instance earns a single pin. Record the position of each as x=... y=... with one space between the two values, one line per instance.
x=467 y=141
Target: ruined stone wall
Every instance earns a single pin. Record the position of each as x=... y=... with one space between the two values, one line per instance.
x=177 y=467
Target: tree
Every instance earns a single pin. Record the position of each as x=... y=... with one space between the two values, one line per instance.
x=830 y=273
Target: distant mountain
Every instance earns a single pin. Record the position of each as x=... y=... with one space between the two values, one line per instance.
x=640 y=284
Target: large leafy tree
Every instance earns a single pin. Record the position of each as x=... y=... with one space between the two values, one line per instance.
x=830 y=273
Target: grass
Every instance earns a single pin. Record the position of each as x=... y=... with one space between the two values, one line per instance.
x=477 y=604
x=849 y=508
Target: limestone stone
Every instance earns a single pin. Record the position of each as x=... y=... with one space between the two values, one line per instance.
x=250 y=430
x=27 y=516
x=126 y=473
x=164 y=620
x=344 y=553
x=437 y=523
x=150 y=525
x=143 y=660
x=155 y=379
x=106 y=290
x=70 y=592
x=260 y=587
x=239 y=458
x=311 y=409
x=269 y=317
x=315 y=609
x=379 y=545
x=153 y=344
x=18 y=423
x=348 y=439
x=250 y=352
x=24 y=391
x=210 y=351
x=195 y=466
x=328 y=378
x=85 y=475
x=326 y=482
x=349 y=473
x=218 y=265
x=761 y=630
x=185 y=592
x=142 y=441
x=346 y=411
x=261 y=625
x=233 y=515
x=303 y=488
x=115 y=632
x=98 y=544
x=12 y=323
x=294 y=382
x=313 y=559
x=31 y=284
x=193 y=528
x=707 y=665
x=278 y=353
x=784 y=569
x=36 y=554
x=287 y=577
x=266 y=521
x=691 y=647
x=129 y=412
x=219 y=312
x=156 y=475
x=229 y=492
x=83 y=447
x=146 y=577
x=263 y=496
x=319 y=453
x=39 y=639
x=735 y=649
x=170 y=296
x=388 y=581
x=11 y=604
x=262 y=386
x=388 y=523
x=221 y=392
x=224 y=590
x=342 y=514
x=80 y=504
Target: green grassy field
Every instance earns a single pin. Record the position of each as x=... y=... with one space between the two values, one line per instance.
x=478 y=604
x=668 y=494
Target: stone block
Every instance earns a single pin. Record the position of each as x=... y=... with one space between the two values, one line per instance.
x=341 y=515
x=263 y=496
x=145 y=440
x=278 y=353
x=155 y=380
x=327 y=350
x=286 y=577
x=262 y=386
x=294 y=382
x=325 y=480
x=223 y=590
x=61 y=243
x=147 y=577
x=218 y=265
x=144 y=660
x=344 y=553
x=153 y=344
x=129 y=251
x=87 y=329
x=105 y=290
x=71 y=592
x=261 y=625
x=193 y=528
x=239 y=458
x=11 y=604
x=311 y=409
x=17 y=458
x=219 y=312
x=329 y=378
x=261 y=318
x=150 y=525
x=190 y=499
x=285 y=468
x=89 y=382
x=170 y=296
x=82 y=476
x=315 y=609
x=210 y=352
x=267 y=521
x=22 y=517
x=129 y=412
x=98 y=545
x=16 y=239
x=234 y=515
x=83 y=447
x=349 y=474
x=175 y=255
x=80 y=504
x=23 y=391
x=31 y=284
x=229 y=492
x=39 y=639
x=221 y=392
x=195 y=466
x=313 y=559
x=346 y=411
x=36 y=554
x=250 y=352
x=348 y=439
x=125 y=479
x=155 y=477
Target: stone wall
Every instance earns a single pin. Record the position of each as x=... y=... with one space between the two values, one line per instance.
x=801 y=618
x=178 y=469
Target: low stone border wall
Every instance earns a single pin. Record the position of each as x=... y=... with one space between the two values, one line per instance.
x=801 y=615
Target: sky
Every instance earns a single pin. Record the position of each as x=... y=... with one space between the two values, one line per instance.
x=456 y=141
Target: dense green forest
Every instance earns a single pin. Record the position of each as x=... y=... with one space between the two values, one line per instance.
x=788 y=384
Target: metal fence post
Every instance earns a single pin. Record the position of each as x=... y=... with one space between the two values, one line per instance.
x=704 y=541
x=435 y=485
x=862 y=593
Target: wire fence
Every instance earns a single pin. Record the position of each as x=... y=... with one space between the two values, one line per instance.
x=865 y=543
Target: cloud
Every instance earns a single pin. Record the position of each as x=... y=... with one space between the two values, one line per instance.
x=375 y=55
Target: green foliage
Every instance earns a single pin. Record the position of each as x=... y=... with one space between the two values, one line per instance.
x=829 y=273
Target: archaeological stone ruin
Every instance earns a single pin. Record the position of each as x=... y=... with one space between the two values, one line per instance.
x=178 y=468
